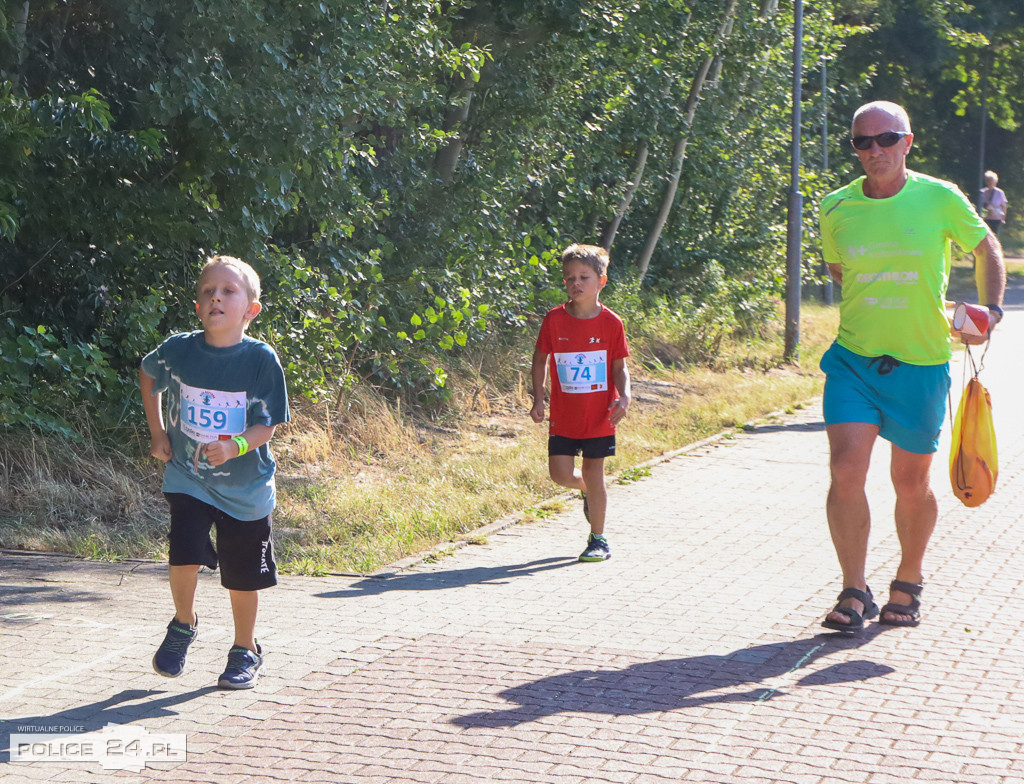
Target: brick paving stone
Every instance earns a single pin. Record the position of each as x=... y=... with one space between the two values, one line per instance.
x=693 y=655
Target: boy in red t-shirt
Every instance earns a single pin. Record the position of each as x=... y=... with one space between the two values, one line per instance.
x=589 y=386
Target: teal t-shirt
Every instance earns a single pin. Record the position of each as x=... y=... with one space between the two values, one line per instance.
x=895 y=255
x=211 y=392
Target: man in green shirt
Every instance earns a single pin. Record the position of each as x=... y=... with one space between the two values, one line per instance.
x=886 y=238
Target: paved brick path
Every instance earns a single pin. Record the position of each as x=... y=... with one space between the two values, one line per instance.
x=693 y=655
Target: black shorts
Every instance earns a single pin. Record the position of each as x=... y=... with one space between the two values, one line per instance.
x=590 y=448
x=245 y=548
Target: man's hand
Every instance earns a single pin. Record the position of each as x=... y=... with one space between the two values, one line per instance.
x=976 y=340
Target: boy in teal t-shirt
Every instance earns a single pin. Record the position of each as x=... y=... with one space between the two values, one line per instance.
x=225 y=395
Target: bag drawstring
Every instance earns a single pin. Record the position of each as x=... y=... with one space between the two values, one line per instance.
x=976 y=368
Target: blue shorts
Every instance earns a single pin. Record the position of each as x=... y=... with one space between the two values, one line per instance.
x=907 y=402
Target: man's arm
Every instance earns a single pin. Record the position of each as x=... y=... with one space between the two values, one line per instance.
x=989 y=272
x=990 y=278
x=836 y=271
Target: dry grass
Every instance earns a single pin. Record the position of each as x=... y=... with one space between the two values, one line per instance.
x=71 y=498
x=364 y=482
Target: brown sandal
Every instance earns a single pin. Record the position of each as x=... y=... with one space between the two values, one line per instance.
x=856 y=620
x=913 y=609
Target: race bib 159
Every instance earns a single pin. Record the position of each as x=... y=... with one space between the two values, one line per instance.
x=582 y=371
x=207 y=414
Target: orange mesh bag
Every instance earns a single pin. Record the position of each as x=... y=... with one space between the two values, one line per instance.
x=973 y=464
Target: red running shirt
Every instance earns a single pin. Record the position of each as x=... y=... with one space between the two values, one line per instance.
x=581 y=353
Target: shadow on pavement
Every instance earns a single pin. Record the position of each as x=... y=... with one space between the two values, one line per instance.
x=19 y=595
x=30 y=578
x=674 y=684
x=94 y=716
x=795 y=427
x=454 y=578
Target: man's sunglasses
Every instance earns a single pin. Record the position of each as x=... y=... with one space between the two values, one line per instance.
x=887 y=139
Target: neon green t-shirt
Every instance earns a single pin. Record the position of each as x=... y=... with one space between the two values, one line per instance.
x=895 y=257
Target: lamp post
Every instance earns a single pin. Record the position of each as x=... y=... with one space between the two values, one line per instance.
x=984 y=119
x=827 y=292
x=794 y=223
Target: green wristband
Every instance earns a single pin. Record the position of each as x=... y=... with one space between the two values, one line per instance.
x=243 y=445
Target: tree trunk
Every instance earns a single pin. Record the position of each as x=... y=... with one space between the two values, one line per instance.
x=447 y=158
x=679 y=153
x=634 y=182
x=21 y=36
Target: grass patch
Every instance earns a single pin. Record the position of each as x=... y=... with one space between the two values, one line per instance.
x=365 y=482
x=631 y=475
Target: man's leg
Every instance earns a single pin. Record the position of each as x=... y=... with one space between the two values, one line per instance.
x=916 y=514
x=849 y=517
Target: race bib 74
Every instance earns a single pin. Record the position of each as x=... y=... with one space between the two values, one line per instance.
x=582 y=371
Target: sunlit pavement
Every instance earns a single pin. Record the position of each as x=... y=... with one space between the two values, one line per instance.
x=694 y=654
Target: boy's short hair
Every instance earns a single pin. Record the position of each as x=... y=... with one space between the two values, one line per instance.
x=594 y=256
x=249 y=276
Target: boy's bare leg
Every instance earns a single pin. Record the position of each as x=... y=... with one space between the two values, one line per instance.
x=590 y=481
x=564 y=472
x=184 y=580
x=597 y=495
x=244 y=605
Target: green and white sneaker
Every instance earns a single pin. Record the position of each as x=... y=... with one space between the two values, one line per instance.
x=597 y=549
x=243 y=668
x=169 y=659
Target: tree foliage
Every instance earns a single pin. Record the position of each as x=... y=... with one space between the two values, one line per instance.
x=951 y=63
x=403 y=174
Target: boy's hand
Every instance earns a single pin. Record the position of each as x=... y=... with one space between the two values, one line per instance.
x=160 y=447
x=537 y=412
x=219 y=452
x=617 y=410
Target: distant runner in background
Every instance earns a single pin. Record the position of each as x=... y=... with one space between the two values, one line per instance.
x=993 y=202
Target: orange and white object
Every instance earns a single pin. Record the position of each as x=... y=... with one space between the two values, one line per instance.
x=971 y=319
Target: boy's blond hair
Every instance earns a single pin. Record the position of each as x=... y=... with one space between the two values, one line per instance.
x=249 y=276
x=594 y=256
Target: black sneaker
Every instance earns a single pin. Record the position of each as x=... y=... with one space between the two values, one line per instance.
x=586 y=506
x=243 y=668
x=597 y=549
x=169 y=659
